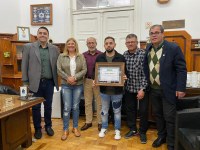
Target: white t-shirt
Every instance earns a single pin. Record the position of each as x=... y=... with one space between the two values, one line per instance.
x=73 y=65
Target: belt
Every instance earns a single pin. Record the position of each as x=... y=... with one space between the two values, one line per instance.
x=89 y=77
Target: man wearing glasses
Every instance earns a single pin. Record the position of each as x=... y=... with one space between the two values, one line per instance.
x=135 y=87
x=165 y=69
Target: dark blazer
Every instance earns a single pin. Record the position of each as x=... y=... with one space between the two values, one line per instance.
x=31 y=64
x=117 y=58
x=173 y=72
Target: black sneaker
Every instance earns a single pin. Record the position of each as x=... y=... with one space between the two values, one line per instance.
x=38 y=134
x=49 y=131
x=143 y=138
x=130 y=134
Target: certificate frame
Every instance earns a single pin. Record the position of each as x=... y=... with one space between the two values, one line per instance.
x=109 y=73
x=41 y=14
x=23 y=33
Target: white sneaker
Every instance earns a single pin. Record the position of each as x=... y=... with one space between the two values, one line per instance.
x=117 y=135
x=102 y=133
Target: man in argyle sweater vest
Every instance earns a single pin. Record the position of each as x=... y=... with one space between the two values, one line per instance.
x=165 y=69
x=153 y=61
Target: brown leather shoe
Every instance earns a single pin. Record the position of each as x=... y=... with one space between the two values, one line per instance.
x=65 y=135
x=86 y=126
x=99 y=126
x=76 y=132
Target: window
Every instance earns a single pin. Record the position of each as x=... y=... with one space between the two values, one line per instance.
x=87 y=4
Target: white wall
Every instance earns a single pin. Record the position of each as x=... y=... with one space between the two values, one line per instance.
x=15 y=13
x=61 y=28
x=173 y=10
x=9 y=16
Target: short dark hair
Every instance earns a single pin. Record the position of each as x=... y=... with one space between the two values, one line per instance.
x=131 y=36
x=109 y=37
x=44 y=29
x=157 y=25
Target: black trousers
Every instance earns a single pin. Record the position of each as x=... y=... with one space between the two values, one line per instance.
x=131 y=104
x=165 y=113
x=46 y=89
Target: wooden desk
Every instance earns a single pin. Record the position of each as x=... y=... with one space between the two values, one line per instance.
x=15 y=126
x=192 y=92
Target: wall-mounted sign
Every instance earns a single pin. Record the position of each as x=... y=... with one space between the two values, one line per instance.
x=173 y=24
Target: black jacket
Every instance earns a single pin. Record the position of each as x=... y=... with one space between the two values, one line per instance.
x=117 y=58
x=173 y=72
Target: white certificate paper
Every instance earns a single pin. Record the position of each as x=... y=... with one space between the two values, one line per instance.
x=109 y=74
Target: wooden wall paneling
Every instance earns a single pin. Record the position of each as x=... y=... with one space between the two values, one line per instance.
x=195 y=60
x=61 y=46
x=143 y=44
x=183 y=39
x=11 y=66
x=7 y=36
x=6 y=62
x=195 y=54
x=14 y=81
x=5 y=46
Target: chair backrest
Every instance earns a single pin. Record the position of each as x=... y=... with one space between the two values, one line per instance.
x=188 y=102
x=7 y=90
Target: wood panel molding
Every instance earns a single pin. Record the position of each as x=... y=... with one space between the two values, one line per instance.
x=196 y=61
x=183 y=39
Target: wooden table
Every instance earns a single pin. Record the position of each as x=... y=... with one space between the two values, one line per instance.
x=15 y=126
x=192 y=92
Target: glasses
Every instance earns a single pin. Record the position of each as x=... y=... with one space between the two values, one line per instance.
x=131 y=42
x=89 y=43
x=155 y=33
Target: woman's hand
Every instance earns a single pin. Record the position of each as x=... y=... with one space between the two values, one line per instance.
x=71 y=80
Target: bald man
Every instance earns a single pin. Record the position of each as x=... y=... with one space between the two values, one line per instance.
x=91 y=92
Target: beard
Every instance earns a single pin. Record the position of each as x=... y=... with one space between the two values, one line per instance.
x=109 y=50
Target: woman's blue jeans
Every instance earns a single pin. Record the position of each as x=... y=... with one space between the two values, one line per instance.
x=71 y=95
x=116 y=105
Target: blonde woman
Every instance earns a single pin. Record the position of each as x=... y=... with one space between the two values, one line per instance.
x=71 y=68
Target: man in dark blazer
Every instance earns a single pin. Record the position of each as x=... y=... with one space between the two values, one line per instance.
x=39 y=73
x=165 y=69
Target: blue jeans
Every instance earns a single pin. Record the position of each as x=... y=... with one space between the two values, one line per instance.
x=71 y=95
x=116 y=105
x=46 y=89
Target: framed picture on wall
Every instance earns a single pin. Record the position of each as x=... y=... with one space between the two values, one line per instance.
x=23 y=33
x=41 y=14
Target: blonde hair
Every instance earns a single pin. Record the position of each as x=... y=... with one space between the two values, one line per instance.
x=76 y=46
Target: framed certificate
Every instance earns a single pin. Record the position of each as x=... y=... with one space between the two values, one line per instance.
x=23 y=33
x=109 y=73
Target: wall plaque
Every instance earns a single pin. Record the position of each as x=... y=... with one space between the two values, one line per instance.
x=173 y=24
x=41 y=14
